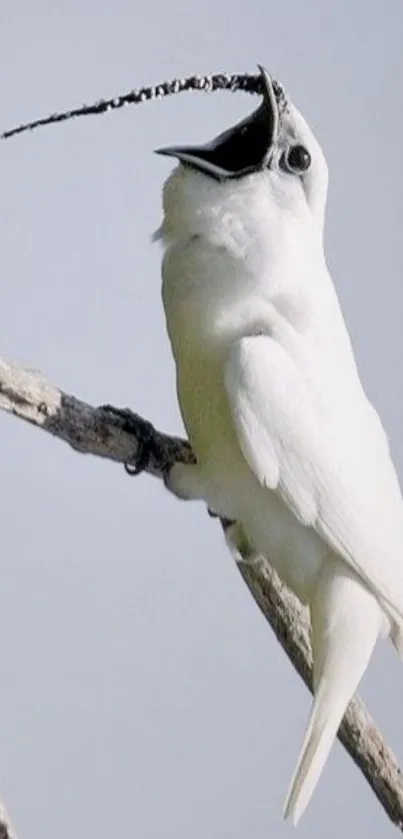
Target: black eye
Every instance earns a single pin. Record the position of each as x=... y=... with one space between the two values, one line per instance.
x=296 y=160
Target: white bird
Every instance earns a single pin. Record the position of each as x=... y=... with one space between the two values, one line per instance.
x=287 y=443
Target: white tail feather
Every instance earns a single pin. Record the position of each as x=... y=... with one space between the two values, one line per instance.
x=320 y=734
x=346 y=622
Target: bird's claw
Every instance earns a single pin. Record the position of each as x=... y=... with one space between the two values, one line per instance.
x=145 y=450
x=144 y=434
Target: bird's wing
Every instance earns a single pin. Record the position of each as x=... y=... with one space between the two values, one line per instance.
x=335 y=475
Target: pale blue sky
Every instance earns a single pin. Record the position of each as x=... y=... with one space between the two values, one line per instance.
x=141 y=691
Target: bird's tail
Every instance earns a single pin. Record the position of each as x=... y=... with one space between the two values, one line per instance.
x=346 y=622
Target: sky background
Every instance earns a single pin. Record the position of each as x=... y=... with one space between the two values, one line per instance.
x=141 y=691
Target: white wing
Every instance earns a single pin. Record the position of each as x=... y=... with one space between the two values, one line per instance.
x=332 y=470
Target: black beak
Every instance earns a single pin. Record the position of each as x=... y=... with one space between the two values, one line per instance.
x=243 y=149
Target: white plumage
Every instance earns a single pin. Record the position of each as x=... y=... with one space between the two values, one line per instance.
x=286 y=441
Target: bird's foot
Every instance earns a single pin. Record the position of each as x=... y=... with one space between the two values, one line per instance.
x=143 y=432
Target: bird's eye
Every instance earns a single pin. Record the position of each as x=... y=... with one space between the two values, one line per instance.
x=296 y=160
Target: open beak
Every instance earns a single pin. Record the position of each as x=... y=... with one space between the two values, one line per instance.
x=245 y=148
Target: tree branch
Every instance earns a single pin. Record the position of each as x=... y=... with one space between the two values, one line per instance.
x=117 y=434
x=6 y=828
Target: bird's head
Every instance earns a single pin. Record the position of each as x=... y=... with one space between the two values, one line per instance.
x=273 y=152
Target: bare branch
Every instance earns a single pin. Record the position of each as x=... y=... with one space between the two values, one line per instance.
x=6 y=828
x=105 y=431
x=117 y=435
